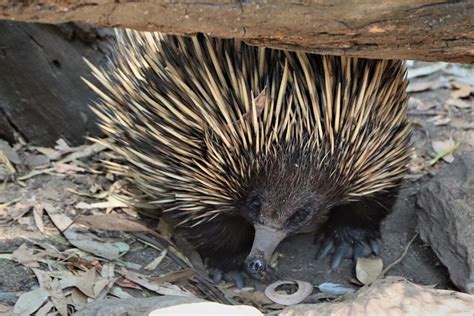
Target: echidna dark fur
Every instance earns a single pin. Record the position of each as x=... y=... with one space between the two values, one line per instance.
x=241 y=147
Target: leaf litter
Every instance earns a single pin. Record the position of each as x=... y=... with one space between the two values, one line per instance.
x=81 y=255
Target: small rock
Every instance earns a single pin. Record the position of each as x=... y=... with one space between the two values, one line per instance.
x=392 y=296
x=163 y=305
x=8 y=298
x=34 y=161
x=9 y=152
x=207 y=308
x=446 y=219
x=133 y=306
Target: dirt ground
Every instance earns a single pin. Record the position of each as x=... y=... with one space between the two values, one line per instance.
x=442 y=116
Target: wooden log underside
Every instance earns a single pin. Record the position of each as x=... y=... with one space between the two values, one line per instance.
x=400 y=29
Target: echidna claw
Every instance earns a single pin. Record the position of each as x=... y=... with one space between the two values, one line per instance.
x=236 y=277
x=347 y=242
x=339 y=254
x=375 y=245
x=325 y=249
x=360 y=250
x=217 y=276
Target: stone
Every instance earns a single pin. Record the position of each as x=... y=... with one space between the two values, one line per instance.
x=393 y=296
x=132 y=306
x=163 y=305
x=445 y=219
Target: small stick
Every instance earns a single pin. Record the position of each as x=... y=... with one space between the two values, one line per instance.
x=202 y=281
x=426 y=113
x=402 y=256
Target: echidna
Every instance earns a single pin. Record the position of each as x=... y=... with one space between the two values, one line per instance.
x=243 y=146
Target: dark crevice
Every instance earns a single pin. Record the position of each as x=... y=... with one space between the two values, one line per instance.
x=12 y=124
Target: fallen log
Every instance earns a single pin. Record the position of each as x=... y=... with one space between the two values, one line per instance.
x=42 y=96
x=418 y=29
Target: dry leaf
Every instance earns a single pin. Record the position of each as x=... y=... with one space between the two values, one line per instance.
x=426 y=70
x=43 y=277
x=460 y=73
x=89 y=243
x=118 y=292
x=38 y=216
x=425 y=106
x=62 y=146
x=9 y=152
x=304 y=290
x=107 y=273
x=86 y=283
x=20 y=209
x=54 y=289
x=35 y=173
x=4 y=308
x=83 y=151
x=29 y=302
x=49 y=152
x=462 y=90
x=60 y=220
x=57 y=296
x=163 y=289
x=82 y=263
x=440 y=120
x=6 y=162
x=45 y=309
x=26 y=256
x=126 y=283
x=424 y=85
x=99 y=195
x=111 y=222
x=99 y=285
x=459 y=103
x=248 y=295
x=9 y=203
x=78 y=298
x=174 y=277
x=444 y=150
x=368 y=269
x=69 y=281
x=67 y=168
x=155 y=262
x=259 y=103
x=111 y=203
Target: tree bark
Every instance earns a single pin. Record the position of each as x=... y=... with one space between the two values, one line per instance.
x=401 y=29
x=42 y=96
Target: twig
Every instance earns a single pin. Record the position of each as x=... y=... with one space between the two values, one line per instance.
x=202 y=281
x=426 y=113
x=402 y=256
x=444 y=153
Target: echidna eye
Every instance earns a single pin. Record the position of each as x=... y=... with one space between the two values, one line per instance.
x=298 y=217
x=253 y=206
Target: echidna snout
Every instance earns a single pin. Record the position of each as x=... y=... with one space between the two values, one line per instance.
x=264 y=244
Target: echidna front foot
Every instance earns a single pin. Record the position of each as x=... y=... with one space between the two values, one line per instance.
x=227 y=267
x=223 y=243
x=354 y=229
x=344 y=241
x=235 y=276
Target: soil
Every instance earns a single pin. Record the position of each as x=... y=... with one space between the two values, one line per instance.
x=297 y=261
